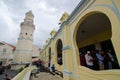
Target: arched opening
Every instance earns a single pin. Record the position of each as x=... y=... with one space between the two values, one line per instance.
x=93 y=39
x=59 y=52
x=49 y=61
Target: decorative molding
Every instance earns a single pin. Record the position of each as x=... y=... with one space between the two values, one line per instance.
x=116 y=9
x=60 y=30
x=79 y=7
x=113 y=8
x=66 y=48
x=19 y=50
x=24 y=39
x=67 y=73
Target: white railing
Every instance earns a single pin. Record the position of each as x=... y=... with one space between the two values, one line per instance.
x=25 y=74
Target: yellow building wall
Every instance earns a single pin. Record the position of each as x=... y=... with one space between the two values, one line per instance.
x=71 y=65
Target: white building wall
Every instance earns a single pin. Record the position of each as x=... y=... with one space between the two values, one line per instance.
x=6 y=53
x=36 y=51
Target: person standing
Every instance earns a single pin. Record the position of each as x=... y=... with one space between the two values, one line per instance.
x=95 y=60
x=100 y=60
x=53 y=68
x=89 y=60
x=82 y=60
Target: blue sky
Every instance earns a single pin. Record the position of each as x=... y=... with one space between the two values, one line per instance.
x=47 y=14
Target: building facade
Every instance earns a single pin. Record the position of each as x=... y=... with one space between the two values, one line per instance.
x=6 y=53
x=93 y=25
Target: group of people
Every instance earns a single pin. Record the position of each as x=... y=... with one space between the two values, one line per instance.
x=99 y=60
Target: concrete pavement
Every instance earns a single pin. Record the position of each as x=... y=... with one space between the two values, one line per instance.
x=11 y=73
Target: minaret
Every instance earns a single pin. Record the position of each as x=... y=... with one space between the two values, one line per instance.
x=24 y=48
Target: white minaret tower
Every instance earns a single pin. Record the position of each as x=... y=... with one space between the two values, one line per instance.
x=24 y=48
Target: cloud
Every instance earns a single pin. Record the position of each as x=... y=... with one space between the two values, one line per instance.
x=8 y=27
x=47 y=14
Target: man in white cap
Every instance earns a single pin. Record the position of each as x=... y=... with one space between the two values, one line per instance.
x=89 y=60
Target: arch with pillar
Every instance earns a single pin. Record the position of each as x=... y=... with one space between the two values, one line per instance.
x=92 y=25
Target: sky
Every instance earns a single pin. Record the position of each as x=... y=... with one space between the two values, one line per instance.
x=46 y=18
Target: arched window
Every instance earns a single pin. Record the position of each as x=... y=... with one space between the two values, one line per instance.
x=49 y=61
x=93 y=39
x=59 y=52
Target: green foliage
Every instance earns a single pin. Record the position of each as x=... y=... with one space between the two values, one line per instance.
x=26 y=65
x=20 y=69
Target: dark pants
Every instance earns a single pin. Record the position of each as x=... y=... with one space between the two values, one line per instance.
x=89 y=66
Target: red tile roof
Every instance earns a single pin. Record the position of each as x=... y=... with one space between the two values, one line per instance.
x=8 y=45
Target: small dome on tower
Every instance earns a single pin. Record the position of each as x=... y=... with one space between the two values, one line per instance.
x=29 y=13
